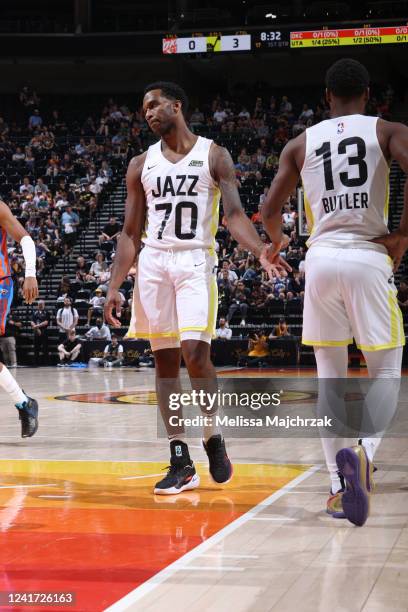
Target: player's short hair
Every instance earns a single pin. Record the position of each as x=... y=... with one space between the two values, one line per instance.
x=170 y=90
x=347 y=78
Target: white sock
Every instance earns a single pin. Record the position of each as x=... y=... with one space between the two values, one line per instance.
x=10 y=385
x=370 y=446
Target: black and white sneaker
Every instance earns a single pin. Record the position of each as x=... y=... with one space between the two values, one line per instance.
x=28 y=415
x=220 y=465
x=181 y=475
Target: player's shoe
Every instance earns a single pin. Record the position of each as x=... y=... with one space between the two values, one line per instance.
x=220 y=465
x=28 y=415
x=334 y=503
x=181 y=474
x=356 y=469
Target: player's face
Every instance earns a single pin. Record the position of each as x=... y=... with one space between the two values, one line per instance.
x=160 y=112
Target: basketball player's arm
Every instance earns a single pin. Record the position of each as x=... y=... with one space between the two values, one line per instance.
x=130 y=238
x=240 y=226
x=281 y=188
x=393 y=138
x=13 y=228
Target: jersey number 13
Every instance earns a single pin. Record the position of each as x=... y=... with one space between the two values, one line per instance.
x=353 y=160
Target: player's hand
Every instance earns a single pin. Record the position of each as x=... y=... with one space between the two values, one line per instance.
x=396 y=244
x=113 y=302
x=30 y=289
x=271 y=260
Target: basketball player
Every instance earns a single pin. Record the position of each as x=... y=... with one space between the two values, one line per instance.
x=27 y=406
x=344 y=165
x=172 y=207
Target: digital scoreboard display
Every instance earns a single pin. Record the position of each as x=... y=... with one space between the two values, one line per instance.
x=348 y=37
x=207 y=44
x=282 y=39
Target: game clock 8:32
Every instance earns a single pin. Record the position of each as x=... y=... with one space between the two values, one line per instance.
x=267 y=39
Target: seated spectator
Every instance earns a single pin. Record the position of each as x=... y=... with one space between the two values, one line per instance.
x=18 y=155
x=231 y=275
x=35 y=120
x=197 y=118
x=82 y=270
x=288 y=218
x=67 y=318
x=297 y=283
x=281 y=330
x=147 y=359
x=239 y=302
x=100 y=331
x=69 y=350
x=113 y=353
x=223 y=332
x=110 y=234
x=96 y=305
x=258 y=350
x=98 y=267
x=26 y=187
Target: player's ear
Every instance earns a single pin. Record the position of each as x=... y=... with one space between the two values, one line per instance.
x=327 y=95
x=367 y=95
x=177 y=106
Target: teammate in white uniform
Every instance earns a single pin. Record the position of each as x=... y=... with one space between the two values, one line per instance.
x=350 y=292
x=172 y=207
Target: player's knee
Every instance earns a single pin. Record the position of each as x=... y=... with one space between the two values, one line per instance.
x=196 y=361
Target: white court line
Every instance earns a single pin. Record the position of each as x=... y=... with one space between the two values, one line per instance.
x=272 y=518
x=56 y=496
x=27 y=486
x=138 y=477
x=227 y=556
x=166 y=573
x=211 y=568
x=88 y=439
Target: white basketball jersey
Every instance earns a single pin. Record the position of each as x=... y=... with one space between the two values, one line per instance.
x=182 y=199
x=346 y=183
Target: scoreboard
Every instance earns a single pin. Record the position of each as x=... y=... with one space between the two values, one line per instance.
x=355 y=36
x=211 y=43
x=283 y=39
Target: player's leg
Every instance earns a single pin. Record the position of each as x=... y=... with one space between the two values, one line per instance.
x=181 y=475
x=154 y=315
x=326 y=327
x=384 y=367
x=332 y=370
x=27 y=407
x=197 y=301
x=369 y=293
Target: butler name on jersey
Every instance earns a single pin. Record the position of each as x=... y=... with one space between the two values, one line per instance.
x=345 y=181
x=182 y=199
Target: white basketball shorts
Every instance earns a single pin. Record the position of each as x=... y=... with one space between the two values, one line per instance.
x=351 y=292
x=175 y=297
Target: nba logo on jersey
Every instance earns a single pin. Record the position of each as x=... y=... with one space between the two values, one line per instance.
x=340 y=127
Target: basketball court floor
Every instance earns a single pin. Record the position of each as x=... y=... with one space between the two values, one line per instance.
x=77 y=513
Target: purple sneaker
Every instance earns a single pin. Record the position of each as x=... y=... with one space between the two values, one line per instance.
x=356 y=469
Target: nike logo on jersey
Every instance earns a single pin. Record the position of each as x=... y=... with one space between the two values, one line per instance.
x=150 y=167
x=182 y=185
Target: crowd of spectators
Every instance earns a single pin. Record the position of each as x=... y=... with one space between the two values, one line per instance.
x=53 y=169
